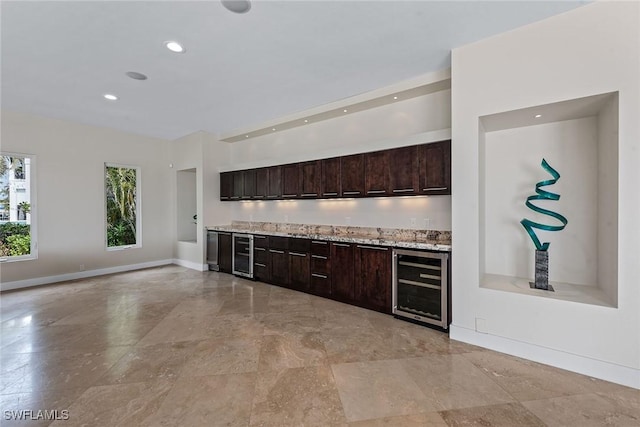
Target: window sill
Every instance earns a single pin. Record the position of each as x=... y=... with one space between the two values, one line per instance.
x=122 y=248
x=10 y=259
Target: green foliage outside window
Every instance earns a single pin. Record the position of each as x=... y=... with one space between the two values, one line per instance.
x=121 y=193
x=15 y=239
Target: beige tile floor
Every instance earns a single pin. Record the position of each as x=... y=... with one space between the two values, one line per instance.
x=174 y=347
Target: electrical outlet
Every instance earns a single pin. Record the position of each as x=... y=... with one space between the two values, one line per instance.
x=427 y=223
x=81 y=268
x=413 y=222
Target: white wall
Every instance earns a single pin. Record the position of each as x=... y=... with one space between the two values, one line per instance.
x=202 y=153
x=590 y=50
x=402 y=123
x=70 y=194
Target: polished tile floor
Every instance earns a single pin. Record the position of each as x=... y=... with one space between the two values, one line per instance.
x=174 y=347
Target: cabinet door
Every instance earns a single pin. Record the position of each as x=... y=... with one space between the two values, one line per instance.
x=275 y=182
x=249 y=184
x=238 y=185
x=376 y=173
x=290 y=181
x=435 y=168
x=342 y=272
x=352 y=175
x=330 y=177
x=225 y=252
x=299 y=270
x=373 y=277
x=403 y=170
x=262 y=183
x=279 y=267
x=226 y=185
x=310 y=179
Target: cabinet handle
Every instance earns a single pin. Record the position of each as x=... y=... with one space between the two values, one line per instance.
x=343 y=245
x=259 y=237
x=376 y=191
x=235 y=197
x=434 y=188
x=318 y=256
x=318 y=242
x=322 y=276
x=259 y=265
x=330 y=194
x=377 y=248
x=350 y=193
x=272 y=197
x=404 y=190
x=309 y=194
x=224 y=233
x=297 y=254
x=273 y=251
x=259 y=249
x=289 y=195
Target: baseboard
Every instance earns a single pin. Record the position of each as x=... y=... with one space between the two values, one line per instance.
x=38 y=281
x=607 y=371
x=190 y=264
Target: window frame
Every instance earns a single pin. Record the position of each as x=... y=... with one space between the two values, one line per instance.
x=33 y=225
x=138 y=243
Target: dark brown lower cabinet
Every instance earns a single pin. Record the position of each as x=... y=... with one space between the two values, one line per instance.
x=225 y=256
x=342 y=272
x=261 y=264
x=299 y=271
x=279 y=267
x=372 y=265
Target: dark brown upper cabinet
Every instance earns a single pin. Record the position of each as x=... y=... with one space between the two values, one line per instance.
x=249 y=184
x=262 y=183
x=310 y=175
x=291 y=181
x=330 y=177
x=414 y=170
x=435 y=168
x=275 y=182
x=403 y=171
x=226 y=185
x=376 y=172
x=352 y=175
x=238 y=185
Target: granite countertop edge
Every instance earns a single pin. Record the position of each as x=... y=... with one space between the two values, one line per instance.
x=333 y=238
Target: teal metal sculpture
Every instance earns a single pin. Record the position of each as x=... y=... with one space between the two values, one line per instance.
x=542 y=257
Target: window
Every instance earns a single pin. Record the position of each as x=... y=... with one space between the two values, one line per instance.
x=17 y=207
x=122 y=185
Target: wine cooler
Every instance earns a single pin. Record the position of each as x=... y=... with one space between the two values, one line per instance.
x=242 y=250
x=420 y=286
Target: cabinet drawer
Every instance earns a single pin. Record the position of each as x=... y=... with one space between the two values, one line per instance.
x=319 y=264
x=261 y=255
x=260 y=241
x=321 y=284
x=320 y=248
x=299 y=245
x=277 y=242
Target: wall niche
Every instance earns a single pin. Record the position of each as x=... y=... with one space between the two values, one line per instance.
x=579 y=138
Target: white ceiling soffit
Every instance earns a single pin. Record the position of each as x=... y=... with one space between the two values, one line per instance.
x=59 y=58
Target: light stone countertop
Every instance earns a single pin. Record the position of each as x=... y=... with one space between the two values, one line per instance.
x=400 y=238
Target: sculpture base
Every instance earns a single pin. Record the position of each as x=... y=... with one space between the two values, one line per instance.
x=542 y=272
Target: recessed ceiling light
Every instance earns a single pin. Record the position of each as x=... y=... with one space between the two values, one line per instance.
x=538 y=116
x=306 y=121
x=246 y=136
x=237 y=6
x=395 y=97
x=110 y=97
x=344 y=111
x=135 y=75
x=175 y=47
x=273 y=128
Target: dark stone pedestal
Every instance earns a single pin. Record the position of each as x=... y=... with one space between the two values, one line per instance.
x=542 y=272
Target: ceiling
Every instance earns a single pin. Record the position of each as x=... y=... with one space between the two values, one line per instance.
x=59 y=58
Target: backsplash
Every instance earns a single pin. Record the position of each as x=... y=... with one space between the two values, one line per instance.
x=441 y=237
